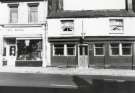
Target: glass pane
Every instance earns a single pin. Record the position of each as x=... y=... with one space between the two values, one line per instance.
x=98 y=45
x=12 y=50
x=81 y=50
x=99 y=51
x=13 y=15
x=67 y=25
x=59 y=49
x=126 y=45
x=33 y=14
x=70 y=45
x=116 y=45
x=126 y=51
x=30 y=51
x=86 y=50
x=115 y=51
x=71 y=51
x=59 y=45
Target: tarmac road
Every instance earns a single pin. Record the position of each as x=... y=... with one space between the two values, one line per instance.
x=45 y=83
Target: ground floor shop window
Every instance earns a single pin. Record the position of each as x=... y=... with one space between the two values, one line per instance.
x=70 y=49
x=99 y=49
x=121 y=49
x=59 y=49
x=29 y=50
x=114 y=49
x=64 y=50
x=126 y=49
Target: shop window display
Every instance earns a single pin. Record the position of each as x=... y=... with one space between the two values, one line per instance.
x=29 y=50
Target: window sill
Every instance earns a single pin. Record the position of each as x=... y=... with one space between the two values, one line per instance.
x=116 y=33
x=64 y=55
x=99 y=55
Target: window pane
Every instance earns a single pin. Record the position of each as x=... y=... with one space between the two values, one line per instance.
x=126 y=49
x=81 y=50
x=99 y=49
x=115 y=49
x=59 y=49
x=98 y=45
x=115 y=45
x=86 y=50
x=33 y=16
x=126 y=45
x=116 y=25
x=13 y=15
x=30 y=51
x=70 y=49
x=67 y=25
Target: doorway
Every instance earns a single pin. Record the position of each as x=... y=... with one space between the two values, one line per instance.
x=83 y=56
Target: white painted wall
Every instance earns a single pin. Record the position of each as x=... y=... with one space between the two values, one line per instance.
x=93 y=4
x=23 y=12
x=91 y=26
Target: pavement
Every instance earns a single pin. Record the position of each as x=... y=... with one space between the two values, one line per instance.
x=111 y=73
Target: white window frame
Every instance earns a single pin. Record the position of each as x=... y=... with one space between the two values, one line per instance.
x=65 y=22
x=29 y=13
x=128 y=47
x=65 y=50
x=116 y=24
x=54 y=50
x=110 y=49
x=99 y=47
x=120 y=49
x=11 y=6
x=72 y=47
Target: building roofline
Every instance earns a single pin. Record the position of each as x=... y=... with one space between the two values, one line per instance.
x=91 y=14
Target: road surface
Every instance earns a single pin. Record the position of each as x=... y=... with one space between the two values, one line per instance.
x=45 y=83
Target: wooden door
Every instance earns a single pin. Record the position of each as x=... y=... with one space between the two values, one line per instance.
x=83 y=57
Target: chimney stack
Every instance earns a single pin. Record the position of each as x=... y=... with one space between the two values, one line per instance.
x=129 y=5
x=55 y=6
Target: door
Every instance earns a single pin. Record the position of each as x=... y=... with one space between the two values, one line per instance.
x=83 y=56
x=11 y=55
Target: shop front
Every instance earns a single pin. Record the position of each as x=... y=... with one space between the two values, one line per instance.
x=26 y=52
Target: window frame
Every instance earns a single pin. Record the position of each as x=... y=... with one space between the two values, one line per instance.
x=116 y=24
x=99 y=47
x=30 y=11
x=120 y=49
x=13 y=8
x=65 y=50
x=127 y=47
x=55 y=48
x=110 y=49
x=69 y=23
x=71 y=47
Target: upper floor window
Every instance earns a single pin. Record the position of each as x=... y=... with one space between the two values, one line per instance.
x=13 y=13
x=116 y=25
x=67 y=25
x=33 y=12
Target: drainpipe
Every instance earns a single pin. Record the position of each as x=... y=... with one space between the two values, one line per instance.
x=1 y=50
x=44 y=44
